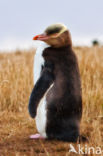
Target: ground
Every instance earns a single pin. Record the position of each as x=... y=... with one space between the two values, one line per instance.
x=16 y=82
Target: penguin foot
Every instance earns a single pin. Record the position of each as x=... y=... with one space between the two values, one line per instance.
x=36 y=136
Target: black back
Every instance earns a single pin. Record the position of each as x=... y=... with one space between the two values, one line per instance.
x=64 y=99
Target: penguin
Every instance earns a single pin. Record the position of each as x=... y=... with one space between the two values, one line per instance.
x=56 y=99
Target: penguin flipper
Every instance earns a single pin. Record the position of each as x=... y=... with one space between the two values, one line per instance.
x=41 y=86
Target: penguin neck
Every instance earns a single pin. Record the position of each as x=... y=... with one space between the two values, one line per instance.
x=57 y=51
x=42 y=46
x=57 y=54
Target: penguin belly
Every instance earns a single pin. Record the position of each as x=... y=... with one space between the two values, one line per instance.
x=41 y=109
x=41 y=117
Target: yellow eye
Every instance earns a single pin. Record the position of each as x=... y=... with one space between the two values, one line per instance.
x=54 y=35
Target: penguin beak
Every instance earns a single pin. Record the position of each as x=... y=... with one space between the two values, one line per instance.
x=41 y=37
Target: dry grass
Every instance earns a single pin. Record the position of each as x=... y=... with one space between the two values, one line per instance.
x=16 y=82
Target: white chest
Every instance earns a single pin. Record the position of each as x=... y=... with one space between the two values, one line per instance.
x=39 y=61
x=41 y=110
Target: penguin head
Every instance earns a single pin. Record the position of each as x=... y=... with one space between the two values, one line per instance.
x=55 y=35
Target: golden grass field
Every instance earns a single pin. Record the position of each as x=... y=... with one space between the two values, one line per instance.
x=16 y=83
